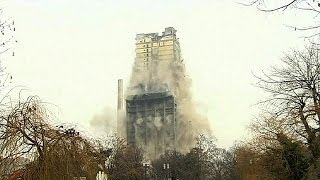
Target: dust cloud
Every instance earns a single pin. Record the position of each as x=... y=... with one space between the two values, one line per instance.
x=104 y=122
x=167 y=76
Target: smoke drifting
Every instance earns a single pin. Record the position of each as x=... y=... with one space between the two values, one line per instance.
x=104 y=122
x=160 y=76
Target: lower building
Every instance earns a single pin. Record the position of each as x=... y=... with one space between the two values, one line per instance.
x=151 y=122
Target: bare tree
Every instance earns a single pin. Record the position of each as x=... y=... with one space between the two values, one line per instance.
x=294 y=100
x=54 y=152
x=126 y=161
x=204 y=161
x=249 y=165
x=310 y=9
x=270 y=6
x=7 y=44
x=214 y=162
x=175 y=165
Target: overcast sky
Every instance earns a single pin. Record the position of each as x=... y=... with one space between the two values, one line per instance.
x=72 y=52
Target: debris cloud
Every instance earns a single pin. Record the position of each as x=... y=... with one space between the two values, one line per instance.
x=158 y=75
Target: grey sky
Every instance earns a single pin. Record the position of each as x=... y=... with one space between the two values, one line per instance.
x=71 y=53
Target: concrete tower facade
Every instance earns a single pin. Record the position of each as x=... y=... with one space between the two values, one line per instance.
x=152 y=47
x=155 y=55
x=155 y=92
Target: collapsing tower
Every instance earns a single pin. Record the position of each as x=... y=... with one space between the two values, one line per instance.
x=158 y=99
x=151 y=122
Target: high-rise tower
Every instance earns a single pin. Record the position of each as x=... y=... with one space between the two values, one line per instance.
x=155 y=55
x=159 y=112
